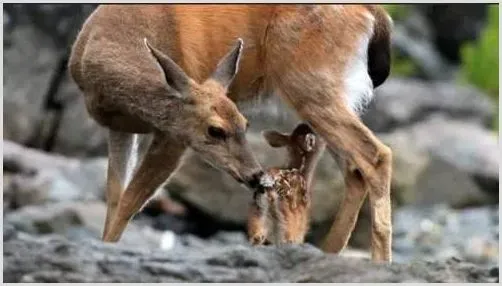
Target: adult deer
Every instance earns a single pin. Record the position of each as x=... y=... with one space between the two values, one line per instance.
x=166 y=69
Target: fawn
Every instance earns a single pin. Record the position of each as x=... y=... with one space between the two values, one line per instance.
x=281 y=208
x=163 y=78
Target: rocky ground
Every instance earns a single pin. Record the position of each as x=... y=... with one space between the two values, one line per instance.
x=226 y=258
x=444 y=186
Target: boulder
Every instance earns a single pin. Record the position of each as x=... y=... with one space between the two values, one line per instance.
x=401 y=102
x=463 y=144
x=83 y=221
x=30 y=62
x=77 y=133
x=36 y=177
x=436 y=232
x=56 y=259
x=36 y=46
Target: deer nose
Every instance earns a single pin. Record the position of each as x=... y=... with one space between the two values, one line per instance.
x=254 y=180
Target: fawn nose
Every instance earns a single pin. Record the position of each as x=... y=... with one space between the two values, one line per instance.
x=254 y=181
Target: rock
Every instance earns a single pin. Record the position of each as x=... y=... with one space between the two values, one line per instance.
x=409 y=163
x=41 y=177
x=83 y=221
x=77 y=134
x=31 y=55
x=463 y=144
x=37 y=41
x=401 y=102
x=421 y=177
x=56 y=259
x=437 y=232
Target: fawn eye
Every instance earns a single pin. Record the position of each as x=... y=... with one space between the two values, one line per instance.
x=217 y=133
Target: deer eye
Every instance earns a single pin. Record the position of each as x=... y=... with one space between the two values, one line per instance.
x=217 y=133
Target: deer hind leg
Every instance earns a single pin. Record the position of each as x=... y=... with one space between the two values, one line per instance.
x=160 y=160
x=367 y=160
x=367 y=169
x=346 y=218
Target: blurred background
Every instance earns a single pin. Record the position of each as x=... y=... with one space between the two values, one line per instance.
x=438 y=111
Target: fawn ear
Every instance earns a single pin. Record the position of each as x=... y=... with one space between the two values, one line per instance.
x=276 y=139
x=229 y=65
x=174 y=75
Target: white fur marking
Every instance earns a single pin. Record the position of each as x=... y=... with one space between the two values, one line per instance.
x=358 y=84
x=132 y=160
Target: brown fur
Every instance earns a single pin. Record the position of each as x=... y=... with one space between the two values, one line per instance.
x=299 y=52
x=281 y=214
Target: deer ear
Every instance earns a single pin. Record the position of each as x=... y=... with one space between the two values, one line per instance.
x=228 y=66
x=275 y=139
x=174 y=75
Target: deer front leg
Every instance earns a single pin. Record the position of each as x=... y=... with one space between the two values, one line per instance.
x=159 y=162
x=119 y=146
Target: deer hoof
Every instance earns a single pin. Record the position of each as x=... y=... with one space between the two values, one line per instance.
x=258 y=240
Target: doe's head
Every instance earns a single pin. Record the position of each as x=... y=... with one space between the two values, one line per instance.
x=206 y=119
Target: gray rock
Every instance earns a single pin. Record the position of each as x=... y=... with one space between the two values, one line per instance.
x=78 y=134
x=423 y=177
x=30 y=62
x=55 y=259
x=37 y=40
x=83 y=221
x=437 y=232
x=42 y=177
x=401 y=102
x=463 y=144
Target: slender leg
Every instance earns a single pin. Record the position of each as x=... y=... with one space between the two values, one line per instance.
x=346 y=218
x=257 y=231
x=119 y=146
x=367 y=166
x=159 y=162
x=367 y=170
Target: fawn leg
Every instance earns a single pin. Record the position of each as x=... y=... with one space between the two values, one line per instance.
x=257 y=230
x=159 y=162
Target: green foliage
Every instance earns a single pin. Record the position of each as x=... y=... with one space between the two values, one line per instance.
x=400 y=65
x=397 y=11
x=480 y=59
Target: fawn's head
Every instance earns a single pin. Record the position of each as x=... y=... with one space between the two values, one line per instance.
x=207 y=120
x=302 y=144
